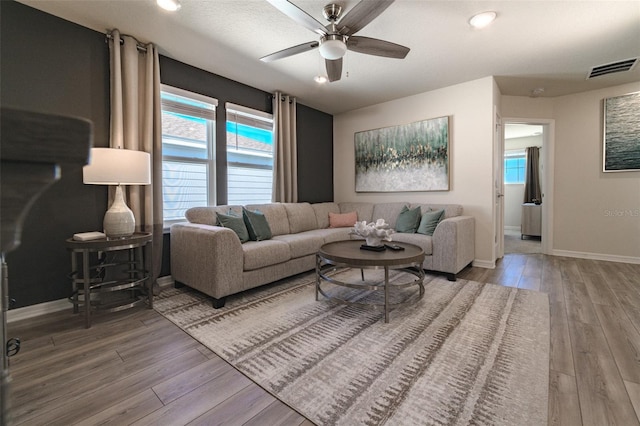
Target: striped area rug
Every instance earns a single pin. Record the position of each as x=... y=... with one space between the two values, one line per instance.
x=466 y=353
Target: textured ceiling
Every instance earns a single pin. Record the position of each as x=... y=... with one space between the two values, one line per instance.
x=532 y=44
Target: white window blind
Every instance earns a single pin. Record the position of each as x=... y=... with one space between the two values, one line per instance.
x=188 y=167
x=249 y=155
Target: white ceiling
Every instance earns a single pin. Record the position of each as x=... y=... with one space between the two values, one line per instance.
x=515 y=131
x=532 y=44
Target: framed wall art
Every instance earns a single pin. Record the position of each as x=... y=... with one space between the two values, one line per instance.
x=408 y=157
x=621 y=149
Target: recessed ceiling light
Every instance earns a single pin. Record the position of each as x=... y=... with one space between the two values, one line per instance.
x=170 y=5
x=538 y=91
x=320 y=79
x=482 y=20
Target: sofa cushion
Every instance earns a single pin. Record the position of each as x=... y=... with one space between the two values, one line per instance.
x=450 y=210
x=425 y=242
x=236 y=224
x=302 y=244
x=258 y=254
x=364 y=210
x=342 y=220
x=322 y=211
x=429 y=221
x=388 y=211
x=408 y=220
x=330 y=235
x=301 y=216
x=257 y=225
x=208 y=215
x=276 y=216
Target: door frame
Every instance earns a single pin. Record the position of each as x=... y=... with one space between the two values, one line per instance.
x=548 y=150
x=498 y=187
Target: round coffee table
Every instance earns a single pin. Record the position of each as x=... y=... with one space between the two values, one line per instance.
x=348 y=254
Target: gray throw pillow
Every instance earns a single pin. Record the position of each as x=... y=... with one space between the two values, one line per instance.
x=257 y=225
x=408 y=220
x=429 y=221
x=236 y=224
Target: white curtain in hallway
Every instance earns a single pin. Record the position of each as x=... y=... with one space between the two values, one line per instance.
x=285 y=161
x=136 y=124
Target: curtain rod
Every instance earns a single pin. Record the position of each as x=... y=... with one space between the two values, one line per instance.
x=284 y=97
x=141 y=47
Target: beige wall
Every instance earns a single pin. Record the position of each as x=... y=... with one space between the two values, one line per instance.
x=471 y=108
x=595 y=214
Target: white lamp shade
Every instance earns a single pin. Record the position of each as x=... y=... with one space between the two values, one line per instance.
x=111 y=166
x=332 y=49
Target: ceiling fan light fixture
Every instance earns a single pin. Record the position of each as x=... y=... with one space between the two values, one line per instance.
x=333 y=47
x=170 y=5
x=482 y=20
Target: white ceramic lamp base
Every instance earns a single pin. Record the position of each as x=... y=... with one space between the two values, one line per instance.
x=119 y=220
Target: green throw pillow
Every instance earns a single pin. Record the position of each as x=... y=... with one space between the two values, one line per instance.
x=408 y=220
x=257 y=225
x=429 y=221
x=236 y=224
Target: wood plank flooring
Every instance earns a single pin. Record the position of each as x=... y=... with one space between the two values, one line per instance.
x=135 y=367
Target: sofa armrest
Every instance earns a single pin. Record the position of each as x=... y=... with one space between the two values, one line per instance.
x=207 y=258
x=454 y=244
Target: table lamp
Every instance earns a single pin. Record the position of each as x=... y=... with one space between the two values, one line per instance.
x=115 y=166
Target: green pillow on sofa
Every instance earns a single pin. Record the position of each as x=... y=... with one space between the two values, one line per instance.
x=257 y=225
x=235 y=223
x=408 y=220
x=429 y=221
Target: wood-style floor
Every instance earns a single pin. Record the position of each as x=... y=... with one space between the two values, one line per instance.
x=136 y=367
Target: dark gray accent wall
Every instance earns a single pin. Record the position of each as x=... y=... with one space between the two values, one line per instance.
x=51 y=65
x=315 y=155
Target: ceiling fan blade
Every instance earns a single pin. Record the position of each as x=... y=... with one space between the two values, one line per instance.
x=299 y=15
x=361 y=14
x=334 y=69
x=373 y=46
x=301 y=48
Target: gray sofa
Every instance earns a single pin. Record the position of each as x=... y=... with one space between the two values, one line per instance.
x=211 y=258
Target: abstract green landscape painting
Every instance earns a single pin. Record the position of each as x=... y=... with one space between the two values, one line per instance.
x=409 y=157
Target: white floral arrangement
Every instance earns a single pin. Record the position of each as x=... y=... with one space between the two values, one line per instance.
x=373 y=232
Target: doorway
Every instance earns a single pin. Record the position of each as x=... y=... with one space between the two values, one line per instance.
x=527 y=226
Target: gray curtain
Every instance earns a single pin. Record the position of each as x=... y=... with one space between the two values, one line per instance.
x=285 y=161
x=136 y=124
x=532 y=191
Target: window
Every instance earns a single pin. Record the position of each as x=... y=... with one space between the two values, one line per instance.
x=514 y=166
x=188 y=134
x=249 y=155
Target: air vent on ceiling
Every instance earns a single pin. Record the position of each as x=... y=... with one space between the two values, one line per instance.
x=626 y=65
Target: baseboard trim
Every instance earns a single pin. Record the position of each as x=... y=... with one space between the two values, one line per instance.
x=37 y=310
x=512 y=227
x=32 y=311
x=166 y=281
x=596 y=256
x=484 y=264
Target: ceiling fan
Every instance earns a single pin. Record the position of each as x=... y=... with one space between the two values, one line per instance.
x=338 y=36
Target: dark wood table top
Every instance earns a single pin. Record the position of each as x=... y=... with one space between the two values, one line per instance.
x=350 y=253
x=105 y=244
